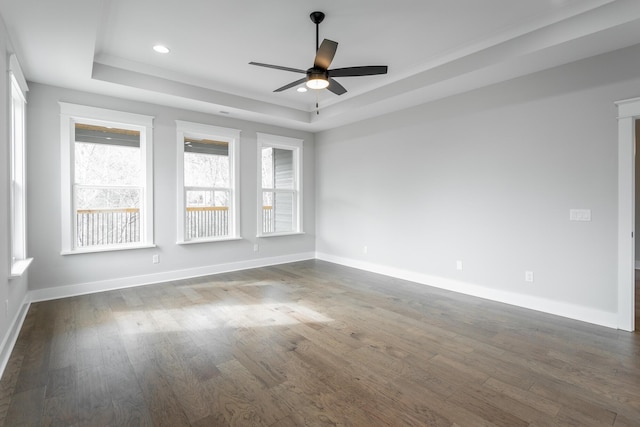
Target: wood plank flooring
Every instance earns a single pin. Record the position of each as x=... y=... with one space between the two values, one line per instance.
x=637 y=322
x=312 y=344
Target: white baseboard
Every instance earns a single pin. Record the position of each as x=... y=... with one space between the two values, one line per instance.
x=571 y=311
x=10 y=338
x=147 y=279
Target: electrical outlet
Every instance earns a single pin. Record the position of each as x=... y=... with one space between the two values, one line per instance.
x=256 y=247
x=365 y=249
x=155 y=259
x=528 y=276
x=459 y=265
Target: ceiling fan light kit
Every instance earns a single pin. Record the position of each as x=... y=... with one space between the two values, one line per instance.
x=317 y=79
x=320 y=76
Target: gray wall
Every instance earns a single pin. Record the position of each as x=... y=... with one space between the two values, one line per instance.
x=50 y=269
x=487 y=177
x=12 y=292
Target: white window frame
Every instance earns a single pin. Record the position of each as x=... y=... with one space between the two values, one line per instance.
x=228 y=135
x=295 y=145
x=70 y=114
x=17 y=169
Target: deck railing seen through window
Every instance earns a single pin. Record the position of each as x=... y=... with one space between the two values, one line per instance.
x=119 y=226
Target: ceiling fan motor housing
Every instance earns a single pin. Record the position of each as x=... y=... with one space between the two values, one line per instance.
x=317 y=73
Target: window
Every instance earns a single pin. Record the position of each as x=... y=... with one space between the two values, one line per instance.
x=17 y=168
x=208 y=167
x=107 y=194
x=280 y=175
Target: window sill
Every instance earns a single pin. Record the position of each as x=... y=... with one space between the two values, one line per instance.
x=196 y=241
x=20 y=267
x=285 y=233
x=106 y=249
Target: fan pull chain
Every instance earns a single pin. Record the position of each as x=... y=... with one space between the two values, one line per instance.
x=317 y=108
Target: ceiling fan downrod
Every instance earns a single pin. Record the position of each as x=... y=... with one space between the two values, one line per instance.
x=317 y=18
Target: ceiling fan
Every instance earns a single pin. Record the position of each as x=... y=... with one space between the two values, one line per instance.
x=320 y=76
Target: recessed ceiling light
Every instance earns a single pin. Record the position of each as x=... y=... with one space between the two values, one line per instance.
x=161 y=48
x=302 y=89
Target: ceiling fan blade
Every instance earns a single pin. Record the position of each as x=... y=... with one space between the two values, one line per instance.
x=290 y=85
x=368 y=70
x=336 y=87
x=325 y=54
x=278 y=67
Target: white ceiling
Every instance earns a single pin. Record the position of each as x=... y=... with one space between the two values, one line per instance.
x=434 y=49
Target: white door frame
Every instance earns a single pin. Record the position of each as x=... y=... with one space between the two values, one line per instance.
x=628 y=113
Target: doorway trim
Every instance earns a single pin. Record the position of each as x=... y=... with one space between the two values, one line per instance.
x=628 y=113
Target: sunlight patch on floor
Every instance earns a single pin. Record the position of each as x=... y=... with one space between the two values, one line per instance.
x=197 y=318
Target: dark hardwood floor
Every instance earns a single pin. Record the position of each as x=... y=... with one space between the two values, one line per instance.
x=637 y=304
x=313 y=343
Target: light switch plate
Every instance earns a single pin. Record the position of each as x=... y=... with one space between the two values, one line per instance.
x=579 y=214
